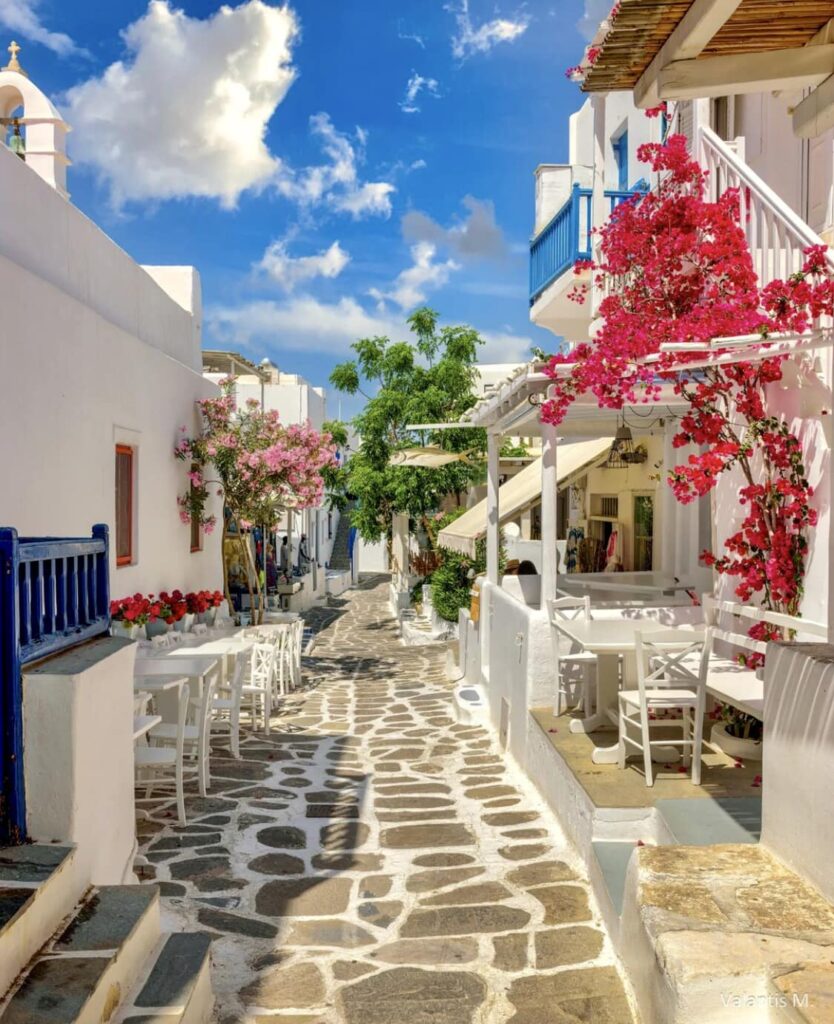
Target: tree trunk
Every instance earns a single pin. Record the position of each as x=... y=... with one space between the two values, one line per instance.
x=226 y=590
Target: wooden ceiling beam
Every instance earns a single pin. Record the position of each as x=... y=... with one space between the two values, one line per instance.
x=689 y=38
x=737 y=74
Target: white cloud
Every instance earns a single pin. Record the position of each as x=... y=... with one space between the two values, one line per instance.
x=289 y=271
x=186 y=113
x=504 y=347
x=417 y=84
x=21 y=17
x=336 y=184
x=412 y=37
x=412 y=285
x=595 y=11
x=476 y=236
x=302 y=323
x=471 y=39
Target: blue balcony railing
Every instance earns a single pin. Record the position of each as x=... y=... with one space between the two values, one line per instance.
x=567 y=236
x=54 y=594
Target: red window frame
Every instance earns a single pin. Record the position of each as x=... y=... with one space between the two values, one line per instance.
x=126 y=557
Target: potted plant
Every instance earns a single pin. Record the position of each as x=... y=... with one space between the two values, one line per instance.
x=158 y=613
x=738 y=734
x=213 y=601
x=197 y=604
x=129 y=616
x=179 y=618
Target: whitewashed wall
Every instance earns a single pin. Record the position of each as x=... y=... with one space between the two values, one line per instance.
x=94 y=353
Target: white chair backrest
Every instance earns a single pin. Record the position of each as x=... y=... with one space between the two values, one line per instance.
x=199 y=629
x=568 y=608
x=210 y=683
x=174 y=639
x=160 y=641
x=263 y=662
x=665 y=658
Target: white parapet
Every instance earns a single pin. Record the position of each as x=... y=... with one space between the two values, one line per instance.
x=798 y=760
x=78 y=756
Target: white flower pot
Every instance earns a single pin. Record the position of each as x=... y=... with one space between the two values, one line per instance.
x=735 y=746
x=127 y=630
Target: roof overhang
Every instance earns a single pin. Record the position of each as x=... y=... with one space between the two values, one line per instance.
x=685 y=49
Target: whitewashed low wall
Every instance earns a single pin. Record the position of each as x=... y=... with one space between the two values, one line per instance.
x=78 y=756
x=798 y=760
x=521 y=670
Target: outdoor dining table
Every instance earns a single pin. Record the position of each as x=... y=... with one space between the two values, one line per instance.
x=142 y=725
x=610 y=640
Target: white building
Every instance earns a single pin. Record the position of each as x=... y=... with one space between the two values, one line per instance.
x=101 y=367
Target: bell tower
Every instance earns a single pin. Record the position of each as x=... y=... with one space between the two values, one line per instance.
x=43 y=146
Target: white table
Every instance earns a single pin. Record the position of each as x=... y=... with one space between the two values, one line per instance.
x=609 y=640
x=142 y=725
x=157 y=683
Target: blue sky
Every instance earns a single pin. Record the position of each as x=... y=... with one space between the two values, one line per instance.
x=327 y=166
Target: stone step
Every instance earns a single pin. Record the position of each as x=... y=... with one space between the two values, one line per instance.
x=176 y=988
x=82 y=976
x=38 y=890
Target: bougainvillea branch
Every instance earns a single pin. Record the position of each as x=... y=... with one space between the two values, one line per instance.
x=677 y=271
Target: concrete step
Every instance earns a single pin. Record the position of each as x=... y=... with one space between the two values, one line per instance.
x=612 y=859
x=83 y=975
x=176 y=988
x=38 y=890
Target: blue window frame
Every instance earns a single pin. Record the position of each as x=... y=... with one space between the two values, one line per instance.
x=620 y=145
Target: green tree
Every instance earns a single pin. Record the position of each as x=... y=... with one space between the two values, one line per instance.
x=428 y=380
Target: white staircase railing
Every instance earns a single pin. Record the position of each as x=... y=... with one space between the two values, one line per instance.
x=776 y=236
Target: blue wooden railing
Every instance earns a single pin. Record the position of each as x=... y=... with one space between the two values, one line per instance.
x=566 y=238
x=54 y=594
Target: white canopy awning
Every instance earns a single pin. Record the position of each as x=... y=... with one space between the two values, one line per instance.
x=521 y=492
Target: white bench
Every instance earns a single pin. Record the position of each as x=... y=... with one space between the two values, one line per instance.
x=729 y=682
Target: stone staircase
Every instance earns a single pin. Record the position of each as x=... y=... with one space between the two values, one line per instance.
x=92 y=957
x=340 y=555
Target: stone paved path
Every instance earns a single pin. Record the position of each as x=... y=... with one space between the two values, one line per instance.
x=373 y=862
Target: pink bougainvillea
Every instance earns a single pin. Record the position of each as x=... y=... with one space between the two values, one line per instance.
x=677 y=271
x=261 y=466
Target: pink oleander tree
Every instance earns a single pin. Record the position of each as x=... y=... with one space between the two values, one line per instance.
x=678 y=270
x=259 y=467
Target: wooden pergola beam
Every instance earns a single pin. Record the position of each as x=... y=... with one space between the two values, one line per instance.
x=732 y=75
x=690 y=37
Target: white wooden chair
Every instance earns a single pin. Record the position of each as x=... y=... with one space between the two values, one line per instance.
x=281 y=637
x=575 y=668
x=158 y=767
x=199 y=629
x=196 y=735
x=258 y=688
x=160 y=641
x=226 y=706
x=672 y=667
x=296 y=640
x=174 y=638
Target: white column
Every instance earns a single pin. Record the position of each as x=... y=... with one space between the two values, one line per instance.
x=599 y=209
x=493 y=533
x=549 y=513
x=399 y=549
